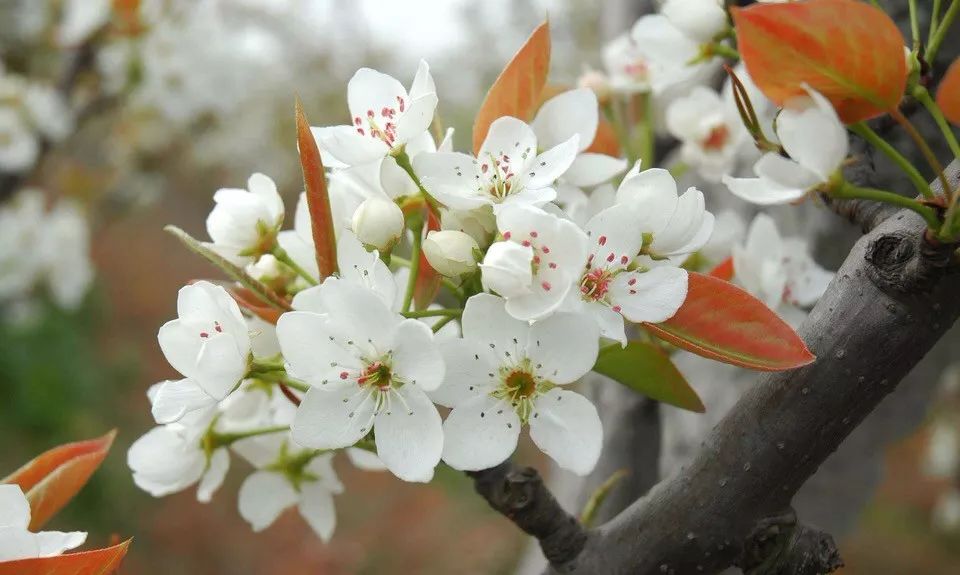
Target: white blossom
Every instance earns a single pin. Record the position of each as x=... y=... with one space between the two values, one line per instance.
x=504 y=374
x=244 y=223
x=701 y=20
x=378 y=223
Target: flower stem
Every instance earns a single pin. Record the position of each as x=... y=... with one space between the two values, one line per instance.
x=941 y=33
x=923 y=96
x=934 y=21
x=721 y=49
x=921 y=143
x=454 y=312
x=217 y=439
x=874 y=139
x=283 y=379
x=914 y=24
x=444 y=281
x=437 y=326
x=282 y=255
x=846 y=190
x=403 y=160
x=416 y=226
x=616 y=120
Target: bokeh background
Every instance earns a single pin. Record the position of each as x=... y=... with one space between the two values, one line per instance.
x=202 y=107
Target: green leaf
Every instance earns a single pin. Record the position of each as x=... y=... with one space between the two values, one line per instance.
x=233 y=271
x=644 y=368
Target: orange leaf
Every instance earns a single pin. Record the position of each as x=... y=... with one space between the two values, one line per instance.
x=52 y=479
x=428 y=280
x=605 y=142
x=97 y=562
x=720 y=321
x=249 y=301
x=318 y=201
x=948 y=94
x=723 y=270
x=849 y=51
x=516 y=92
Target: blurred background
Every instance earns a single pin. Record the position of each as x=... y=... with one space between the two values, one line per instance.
x=137 y=111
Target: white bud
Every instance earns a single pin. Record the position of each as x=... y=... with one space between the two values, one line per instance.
x=701 y=20
x=507 y=269
x=378 y=223
x=451 y=253
x=479 y=223
x=596 y=81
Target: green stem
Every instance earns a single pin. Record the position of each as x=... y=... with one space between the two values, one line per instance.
x=914 y=24
x=616 y=120
x=403 y=160
x=454 y=312
x=283 y=379
x=367 y=444
x=846 y=190
x=416 y=227
x=940 y=35
x=923 y=96
x=216 y=439
x=720 y=49
x=437 y=326
x=282 y=255
x=922 y=144
x=647 y=153
x=934 y=21
x=874 y=139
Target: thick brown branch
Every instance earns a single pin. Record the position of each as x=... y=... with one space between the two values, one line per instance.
x=890 y=302
x=521 y=496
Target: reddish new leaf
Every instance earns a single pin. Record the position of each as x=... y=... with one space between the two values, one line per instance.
x=97 y=562
x=948 y=94
x=52 y=479
x=605 y=142
x=723 y=270
x=428 y=280
x=849 y=51
x=318 y=201
x=249 y=301
x=720 y=321
x=517 y=91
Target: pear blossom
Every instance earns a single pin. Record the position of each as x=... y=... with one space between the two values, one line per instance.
x=700 y=20
x=653 y=57
x=946 y=511
x=778 y=270
x=244 y=223
x=451 y=253
x=609 y=290
x=208 y=343
x=378 y=223
x=580 y=205
x=19 y=147
x=64 y=252
x=17 y=541
x=81 y=19
x=384 y=117
x=368 y=369
x=507 y=169
x=811 y=133
x=710 y=131
x=282 y=480
x=506 y=373
x=536 y=265
x=942 y=458
x=676 y=225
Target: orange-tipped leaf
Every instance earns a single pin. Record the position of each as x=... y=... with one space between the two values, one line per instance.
x=948 y=94
x=318 y=200
x=428 y=280
x=97 y=562
x=52 y=479
x=517 y=91
x=720 y=321
x=849 y=51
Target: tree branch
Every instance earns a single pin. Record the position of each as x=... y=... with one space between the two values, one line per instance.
x=890 y=302
x=521 y=496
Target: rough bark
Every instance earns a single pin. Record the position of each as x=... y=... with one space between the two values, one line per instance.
x=890 y=302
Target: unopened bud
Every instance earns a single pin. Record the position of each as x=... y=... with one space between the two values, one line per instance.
x=479 y=223
x=378 y=223
x=508 y=269
x=451 y=253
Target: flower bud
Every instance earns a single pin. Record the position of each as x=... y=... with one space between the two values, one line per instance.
x=378 y=223
x=479 y=224
x=451 y=253
x=701 y=20
x=508 y=269
x=596 y=81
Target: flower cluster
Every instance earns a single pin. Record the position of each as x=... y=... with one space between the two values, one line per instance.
x=30 y=113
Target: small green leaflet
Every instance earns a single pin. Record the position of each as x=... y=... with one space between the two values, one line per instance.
x=644 y=368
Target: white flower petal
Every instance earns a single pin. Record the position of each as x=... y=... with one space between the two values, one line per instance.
x=54 y=543
x=615 y=239
x=416 y=358
x=363 y=459
x=263 y=497
x=469 y=364
x=220 y=367
x=652 y=194
x=564 y=346
x=358 y=315
x=566 y=427
x=409 y=435
x=485 y=320
x=214 y=475
x=423 y=83
x=512 y=138
x=333 y=418
x=811 y=132
x=552 y=163
x=480 y=433
x=306 y=346
x=349 y=147
x=417 y=118
x=316 y=507
x=652 y=296
x=174 y=399
x=14 y=507
x=590 y=169
x=574 y=112
x=369 y=91
x=762 y=192
x=453 y=178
